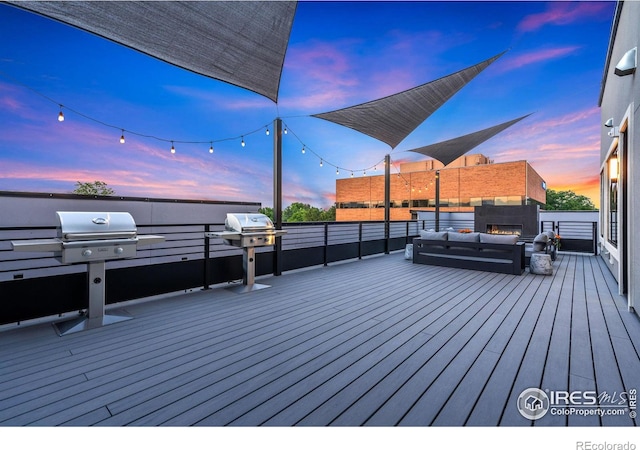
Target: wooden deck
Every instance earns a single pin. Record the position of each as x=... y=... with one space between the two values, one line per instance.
x=380 y=341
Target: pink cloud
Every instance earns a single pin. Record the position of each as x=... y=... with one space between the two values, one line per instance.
x=535 y=57
x=321 y=75
x=322 y=62
x=561 y=13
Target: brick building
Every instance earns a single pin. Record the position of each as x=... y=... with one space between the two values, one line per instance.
x=469 y=181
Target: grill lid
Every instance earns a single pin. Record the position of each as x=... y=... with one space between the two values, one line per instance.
x=83 y=225
x=248 y=222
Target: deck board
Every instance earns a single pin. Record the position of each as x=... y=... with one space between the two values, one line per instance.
x=378 y=341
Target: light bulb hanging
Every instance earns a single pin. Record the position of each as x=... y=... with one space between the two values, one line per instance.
x=351 y=174
x=303 y=150
x=242 y=142
x=122 y=137
x=267 y=132
x=337 y=171
x=60 y=116
x=173 y=149
x=321 y=163
x=285 y=130
x=211 y=148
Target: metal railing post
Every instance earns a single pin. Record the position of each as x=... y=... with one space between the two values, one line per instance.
x=326 y=242
x=360 y=240
x=207 y=263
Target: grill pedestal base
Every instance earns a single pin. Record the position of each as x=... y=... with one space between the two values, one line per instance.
x=95 y=316
x=241 y=289
x=83 y=323
x=249 y=269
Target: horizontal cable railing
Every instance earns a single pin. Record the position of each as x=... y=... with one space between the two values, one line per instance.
x=185 y=242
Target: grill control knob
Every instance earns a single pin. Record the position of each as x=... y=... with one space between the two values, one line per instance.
x=86 y=253
x=118 y=250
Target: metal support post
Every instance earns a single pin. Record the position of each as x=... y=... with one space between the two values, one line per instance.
x=437 y=200
x=387 y=201
x=277 y=193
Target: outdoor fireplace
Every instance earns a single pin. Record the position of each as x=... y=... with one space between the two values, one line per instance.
x=494 y=228
x=522 y=220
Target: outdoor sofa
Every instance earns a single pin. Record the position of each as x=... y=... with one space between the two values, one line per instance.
x=476 y=251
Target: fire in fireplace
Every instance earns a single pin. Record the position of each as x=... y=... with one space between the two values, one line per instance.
x=522 y=220
x=504 y=229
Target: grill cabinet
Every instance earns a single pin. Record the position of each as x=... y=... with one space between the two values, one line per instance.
x=248 y=231
x=92 y=238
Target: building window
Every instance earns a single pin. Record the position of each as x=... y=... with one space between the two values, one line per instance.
x=488 y=201
x=603 y=183
x=352 y=205
x=511 y=200
x=612 y=171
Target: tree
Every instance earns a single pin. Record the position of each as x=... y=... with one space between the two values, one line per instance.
x=267 y=212
x=567 y=201
x=302 y=212
x=95 y=188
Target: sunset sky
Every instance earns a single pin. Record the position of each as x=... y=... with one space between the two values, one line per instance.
x=340 y=54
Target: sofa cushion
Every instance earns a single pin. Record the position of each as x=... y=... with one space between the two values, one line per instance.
x=434 y=235
x=488 y=238
x=464 y=237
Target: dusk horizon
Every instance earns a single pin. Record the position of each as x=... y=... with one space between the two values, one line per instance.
x=552 y=69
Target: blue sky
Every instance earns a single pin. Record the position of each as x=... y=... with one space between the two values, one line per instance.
x=339 y=54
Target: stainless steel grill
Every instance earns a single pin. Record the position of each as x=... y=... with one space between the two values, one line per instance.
x=248 y=231
x=92 y=238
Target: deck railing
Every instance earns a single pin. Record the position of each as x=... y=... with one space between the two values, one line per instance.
x=36 y=284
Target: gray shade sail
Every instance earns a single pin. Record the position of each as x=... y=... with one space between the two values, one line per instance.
x=240 y=42
x=448 y=151
x=391 y=119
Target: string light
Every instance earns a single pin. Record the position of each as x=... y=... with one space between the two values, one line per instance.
x=61 y=118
